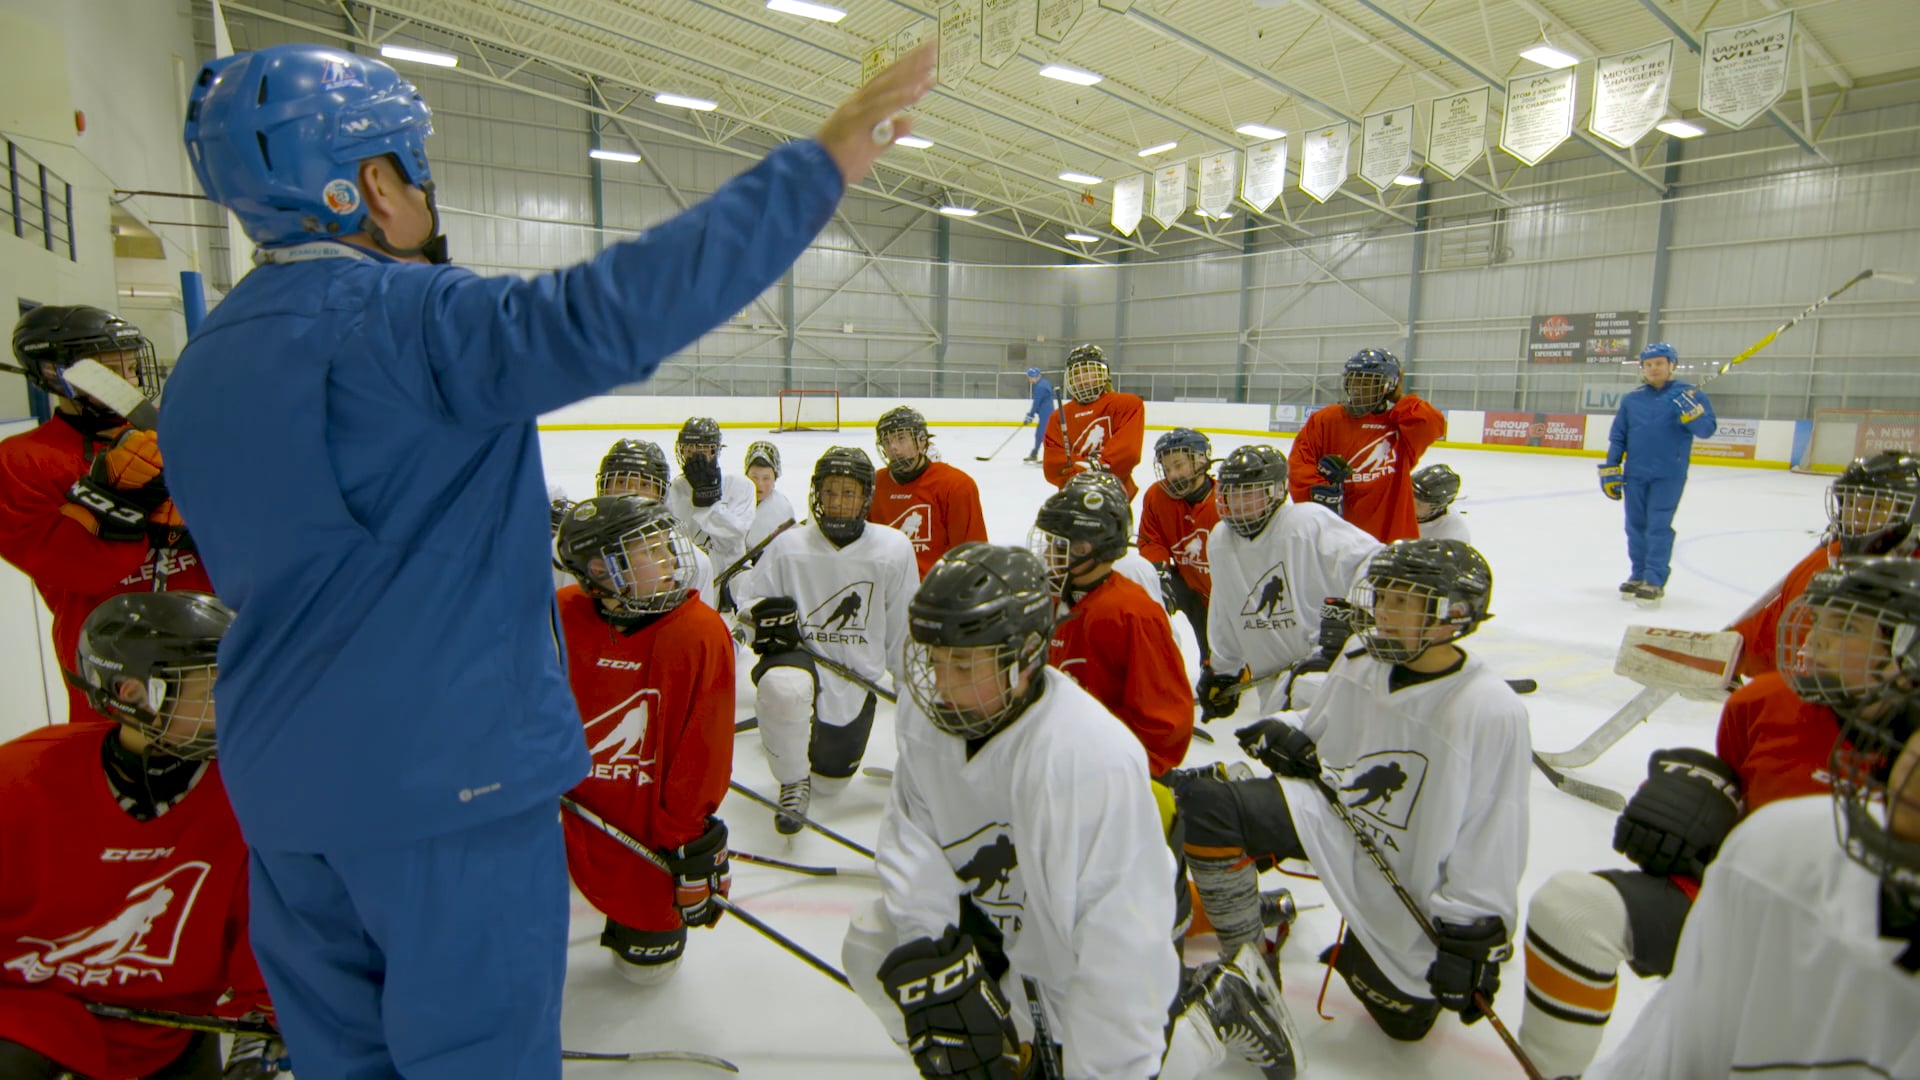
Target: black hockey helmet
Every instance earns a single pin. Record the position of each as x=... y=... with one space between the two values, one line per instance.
x=902 y=418
x=980 y=623
x=149 y=660
x=629 y=551
x=1437 y=486
x=1368 y=377
x=1851 y=639
x=700 y=434
x=1183 y=445
x=631 y=463
x=1253 y=484
x=52 y=338
x=1079 y=525
x=854 y=464
x=1872 y=506
x=1088 y=375
x=1449 y=581
x=762 y=452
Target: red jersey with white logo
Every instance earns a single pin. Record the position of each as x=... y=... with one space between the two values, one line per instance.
x=1111 y=431
x=1118 y=645
x=73 y=569
x=1383 y=448
x=1171 y=528
x=658 y=708
x=97 y=906
x=938 y=510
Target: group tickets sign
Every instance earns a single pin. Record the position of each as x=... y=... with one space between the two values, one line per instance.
x=1561 y=431
x=1591 y=338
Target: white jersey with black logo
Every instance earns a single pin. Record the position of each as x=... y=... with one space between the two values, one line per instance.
x=1436 y=772
x=719 y=530
x=1142 y=572
x=1267 y=591
x=1052 y=831
x=852 y=600
x=1448 y=526
x=774 y=511
x=1781 y=969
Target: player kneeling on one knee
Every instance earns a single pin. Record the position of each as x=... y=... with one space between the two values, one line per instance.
x=653 y=677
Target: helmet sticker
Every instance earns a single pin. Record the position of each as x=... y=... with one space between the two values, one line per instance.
x=342 y=197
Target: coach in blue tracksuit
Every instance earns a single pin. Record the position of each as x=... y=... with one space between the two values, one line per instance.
x=351 y=433
x=1646 y=464
x=1042 y=409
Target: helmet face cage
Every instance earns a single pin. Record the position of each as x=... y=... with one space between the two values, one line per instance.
x=1397 y=620
x=1366 y=391
x=698 y=436
x=1875 y=771
x=1855 y=655
x=1246 y=508
x=646 y=570
x=971 y=691
x=1187 y=472
x=1088 y=378
x=839 y=463
x=762 y=452
x=1861 y=513
x=172 y=707
x=898 y=421
x=118 y=346
x=1055 y=553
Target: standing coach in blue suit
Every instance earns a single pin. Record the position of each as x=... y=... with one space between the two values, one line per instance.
x=1646 y=464
x=1042 y=409
x=351 y=433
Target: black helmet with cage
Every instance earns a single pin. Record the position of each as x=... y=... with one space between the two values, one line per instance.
x=1253 y=485
x=980 y=626
x=1413 y=588
x=699 y=435
x=149 y=660
x=52 y=338
x=1079 y=526
x=848 y=522
x=908 y=462
x=1190 y=455
x=1873 y=506
x=1369 y=379
x=633 y=467
x=1088 y=375
x=628 y=553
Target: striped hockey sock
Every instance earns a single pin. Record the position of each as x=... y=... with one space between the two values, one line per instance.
x=1576 y=942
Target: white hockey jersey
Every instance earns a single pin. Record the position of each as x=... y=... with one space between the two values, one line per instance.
x=774 y=511
x=719 y=530
x=1267 y=591
x=1131 y=565
x=1781 y=969
x=1437 y=773
x=1052 y=829
x=852 y=600
x=1448 y=526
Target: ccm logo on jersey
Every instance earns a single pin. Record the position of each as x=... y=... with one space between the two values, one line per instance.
x=940 y=983
x=619 y=665
x=143 y=854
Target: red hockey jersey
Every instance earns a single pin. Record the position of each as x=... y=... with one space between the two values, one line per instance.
x=1383 y=448
x=96 y=906
x=1173 y=528
x=1112 y=431
x=939 y=510
x=73 y=569
x=1118 y=645
x=658 y=710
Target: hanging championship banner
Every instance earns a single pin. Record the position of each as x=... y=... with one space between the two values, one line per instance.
x=1630 y=93
x=1001 y=24
x=1457 y=133
x=1265 y=174
x=1128 y=197
x=1323 y=161
x=909 y=39
x=1387 y=149
x=875 y=61
x=959 y=39
x=1169 y=193
x=1743 y=69
x=1216 y=185
x=1056 y=18
x=1539 y=114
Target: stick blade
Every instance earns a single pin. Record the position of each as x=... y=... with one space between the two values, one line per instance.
x=1897 y=277
x=1688 y=662
x=95 y=380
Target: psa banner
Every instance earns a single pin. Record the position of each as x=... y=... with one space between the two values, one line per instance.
x=1593 y=338
x=1562 y=431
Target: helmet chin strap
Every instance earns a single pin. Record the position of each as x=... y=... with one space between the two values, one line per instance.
x=433 y=248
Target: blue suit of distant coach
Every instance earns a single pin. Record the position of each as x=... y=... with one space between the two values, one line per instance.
x=351 y=435
x=1647 y=453
x=1042 y=409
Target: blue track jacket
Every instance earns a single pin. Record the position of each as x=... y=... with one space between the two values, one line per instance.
x=1647 y=431
x=1042 y=401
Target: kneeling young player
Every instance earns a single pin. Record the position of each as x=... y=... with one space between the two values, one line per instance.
x=653 y=677
x=1176 y=517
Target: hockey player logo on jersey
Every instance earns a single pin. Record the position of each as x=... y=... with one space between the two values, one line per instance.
x=1375 y=460
x=843 y=616
x=144 y=935
x=616 y=738
x=1092 y=439
x=917 y=522
x=1192 y=549
x=1270 y=606
x=988 y=874
x=1385 y=785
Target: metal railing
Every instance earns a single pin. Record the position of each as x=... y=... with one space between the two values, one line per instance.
x=36 y=202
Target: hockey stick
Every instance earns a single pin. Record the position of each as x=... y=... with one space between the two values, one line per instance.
x=98 y=382
x=852 y=676
x=1380 y=862
x=1580 y=789
x=751 y=723
x=803 y=819
x=1749 y=351
x=721 y=902
x=1625 y=719
x=809 y=871
x=1002 y=446
x=736 y=566
x=220 y=1026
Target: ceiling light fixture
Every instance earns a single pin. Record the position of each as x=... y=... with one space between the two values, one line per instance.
x=1072 y=177
x=1161 y=149
x=1260 y=131
x=817 y=12
x=419 y=56
x=1408 y=180
x=613 y=155
x=914 y=142
x=1070 y=75
x=1082 y=238
x=1680 y=129
x=1543 y=53
x=959 y=211
x=694 y=103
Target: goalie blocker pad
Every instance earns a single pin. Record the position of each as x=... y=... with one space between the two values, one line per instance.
x=1691 y=663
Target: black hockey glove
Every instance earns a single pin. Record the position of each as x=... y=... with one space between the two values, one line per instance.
x=1677 y=820
x=1169 y=592
x=776 y=625
x=700 y=870
x=116 y=514
x=1468 y=963
x=1338 y=620
x=1218 y=695
x=1335 y=469
x=703 y=476
x=958 y=1022
x=1332 y=494
x=1280 y=746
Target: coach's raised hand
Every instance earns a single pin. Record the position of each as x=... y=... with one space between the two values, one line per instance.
x=848 y=133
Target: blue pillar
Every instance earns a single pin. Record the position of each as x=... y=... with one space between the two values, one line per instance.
x=193 y=299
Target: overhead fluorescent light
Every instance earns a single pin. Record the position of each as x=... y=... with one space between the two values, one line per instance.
x=694 y=103
x=1161 y=149
x=1082 y=238
x=1067 y=74
x=613 y=155
x=1549 y=57
x=913 y=141
x=419 y=56
x=820 y=12
x=1260 y=131
x=959 y=211
x=1680 y=129
x=1408 y=180
x=1072 y=177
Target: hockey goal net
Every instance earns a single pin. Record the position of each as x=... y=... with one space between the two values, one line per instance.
x=809 y=410
x=1840 y=435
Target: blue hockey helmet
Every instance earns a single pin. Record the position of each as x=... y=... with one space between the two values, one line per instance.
x=277 y=136
x=1660 y=348
x=1033 y=373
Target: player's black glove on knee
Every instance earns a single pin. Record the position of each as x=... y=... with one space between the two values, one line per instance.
x=776 y=625
x=700 y=870
x=1677 y=820
x=703 y=476
x=1468 y=963
x=1280 y=746
x=958 y=1023
x=1218 y=695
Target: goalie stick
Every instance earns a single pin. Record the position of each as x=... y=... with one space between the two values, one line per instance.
x=98 y=382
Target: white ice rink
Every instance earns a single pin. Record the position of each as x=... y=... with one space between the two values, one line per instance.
x=1558 y=552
